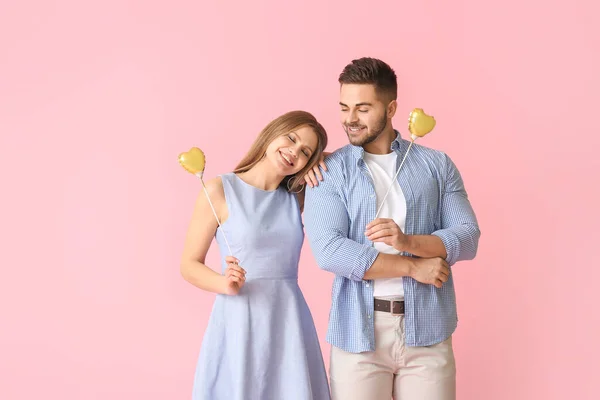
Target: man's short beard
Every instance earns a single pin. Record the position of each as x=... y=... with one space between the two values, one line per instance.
x=371 y=137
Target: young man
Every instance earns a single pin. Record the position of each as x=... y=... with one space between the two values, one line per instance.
x=393 y=302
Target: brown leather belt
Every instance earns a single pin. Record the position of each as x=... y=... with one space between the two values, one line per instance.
x=395 y=307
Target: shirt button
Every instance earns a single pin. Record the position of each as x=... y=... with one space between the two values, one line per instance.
x=367 y=284
x=372 y=196
x=369 y=316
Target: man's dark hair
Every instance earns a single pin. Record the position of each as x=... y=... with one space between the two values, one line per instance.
x=371 y=71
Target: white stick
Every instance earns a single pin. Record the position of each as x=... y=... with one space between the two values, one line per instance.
x=199 y=175
x=394 y=180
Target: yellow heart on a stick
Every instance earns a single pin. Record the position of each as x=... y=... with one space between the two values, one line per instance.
x=193 y=161
x=419 y=123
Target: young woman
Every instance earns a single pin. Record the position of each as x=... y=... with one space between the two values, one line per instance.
x=260 y=342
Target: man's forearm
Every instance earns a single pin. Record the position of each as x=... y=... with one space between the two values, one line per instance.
x=390 y=266
x=426 y=246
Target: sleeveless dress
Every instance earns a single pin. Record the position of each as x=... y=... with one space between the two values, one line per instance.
x=261 y=344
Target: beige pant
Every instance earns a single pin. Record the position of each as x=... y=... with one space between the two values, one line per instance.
x=393 y=369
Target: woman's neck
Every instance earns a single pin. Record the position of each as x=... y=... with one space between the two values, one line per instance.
x=262 y=176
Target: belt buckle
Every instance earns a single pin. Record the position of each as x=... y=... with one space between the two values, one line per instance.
x=399 y=306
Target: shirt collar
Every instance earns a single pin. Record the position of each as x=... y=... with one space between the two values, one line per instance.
x=358 y=152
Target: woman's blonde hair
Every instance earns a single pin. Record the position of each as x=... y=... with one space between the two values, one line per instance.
x=280 y=126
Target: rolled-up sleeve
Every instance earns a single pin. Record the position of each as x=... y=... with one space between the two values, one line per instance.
x=327 y=225
x=460 y=230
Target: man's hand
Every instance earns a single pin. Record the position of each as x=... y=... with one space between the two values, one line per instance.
x=431 y=271
x=314 y=175
x=386 y=231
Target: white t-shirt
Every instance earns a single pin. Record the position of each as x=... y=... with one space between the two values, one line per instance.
x=383 y=168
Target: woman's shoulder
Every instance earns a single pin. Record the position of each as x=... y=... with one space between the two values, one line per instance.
x=214 y=187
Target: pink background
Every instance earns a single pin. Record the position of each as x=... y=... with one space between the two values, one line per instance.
x=97 y=99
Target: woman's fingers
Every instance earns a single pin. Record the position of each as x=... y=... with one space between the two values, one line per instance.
x=233 y=260
x=237 y=268
x=235 y=273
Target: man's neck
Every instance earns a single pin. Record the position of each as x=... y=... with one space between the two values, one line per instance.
x=383 y=143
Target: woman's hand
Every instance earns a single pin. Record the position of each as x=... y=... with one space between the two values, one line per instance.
x=235 y=276
x=313 y=176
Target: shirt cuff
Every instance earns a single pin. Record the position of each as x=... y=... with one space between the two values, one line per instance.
x=364 y=261
x=451 y=243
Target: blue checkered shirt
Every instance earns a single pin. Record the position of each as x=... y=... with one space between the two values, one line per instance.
x=335 y=216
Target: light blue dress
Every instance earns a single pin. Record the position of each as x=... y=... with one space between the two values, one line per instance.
x=261 y=344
